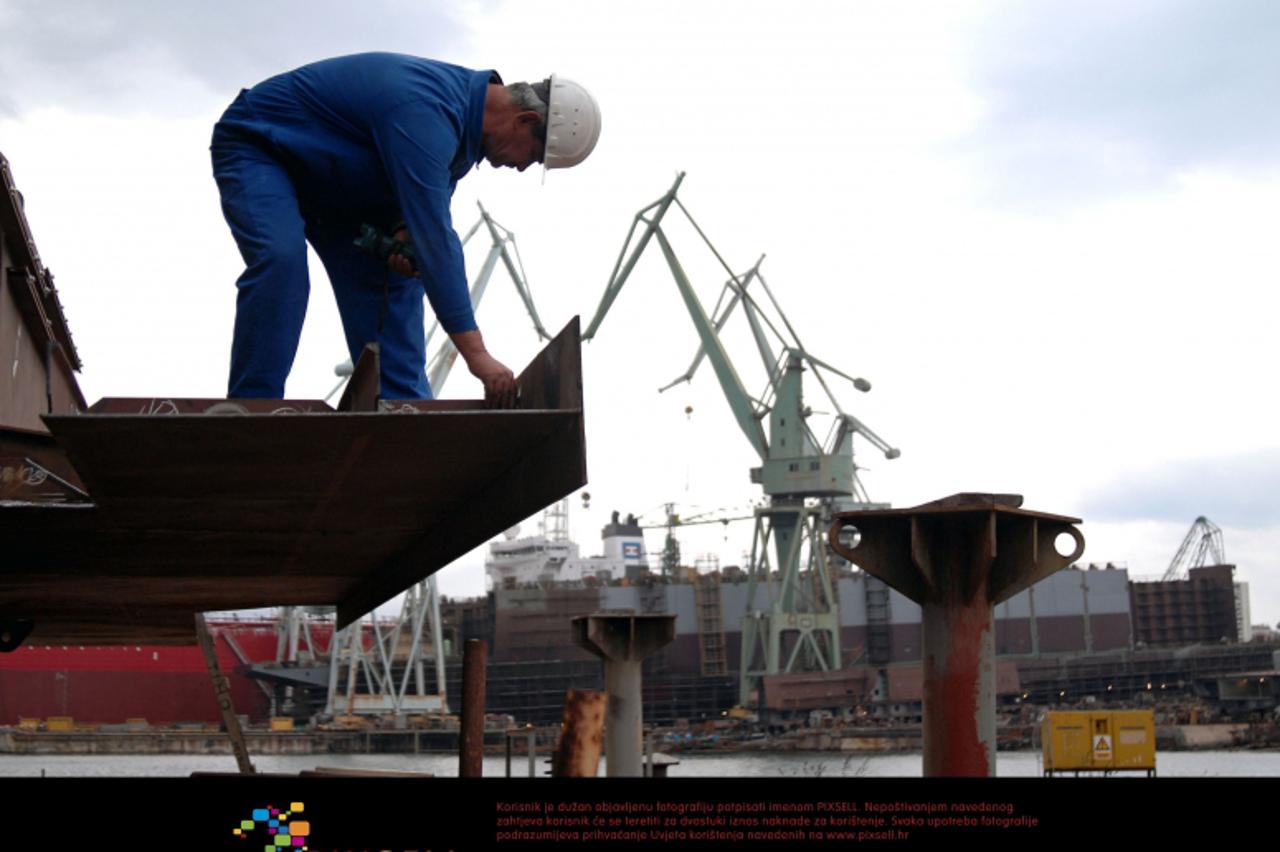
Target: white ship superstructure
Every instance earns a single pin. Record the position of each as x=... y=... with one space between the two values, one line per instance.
x=550 y=557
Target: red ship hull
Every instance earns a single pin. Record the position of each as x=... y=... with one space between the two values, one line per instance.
x=109 y=684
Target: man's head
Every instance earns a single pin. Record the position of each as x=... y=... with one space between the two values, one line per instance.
x=555 y=121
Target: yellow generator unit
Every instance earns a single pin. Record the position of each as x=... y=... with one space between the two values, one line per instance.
x=1098 y=741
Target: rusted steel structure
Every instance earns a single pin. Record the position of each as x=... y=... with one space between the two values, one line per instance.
x=471 y=736
x=123 y=520
x=958 y=557
x=297 y=505
x=623 y=640
x=38 y=362
x=37 y=354
x=577 y=753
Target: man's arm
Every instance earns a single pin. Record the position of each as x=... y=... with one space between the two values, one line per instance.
x=415 y=144
x=499 y=382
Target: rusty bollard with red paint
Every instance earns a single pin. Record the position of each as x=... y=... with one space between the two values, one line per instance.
x=958 y=557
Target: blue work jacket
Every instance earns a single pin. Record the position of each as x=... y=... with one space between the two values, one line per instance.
x=379 y=137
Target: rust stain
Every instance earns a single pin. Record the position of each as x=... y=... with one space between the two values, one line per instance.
x=958 y=685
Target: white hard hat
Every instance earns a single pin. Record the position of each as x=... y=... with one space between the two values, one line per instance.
x=573 y=124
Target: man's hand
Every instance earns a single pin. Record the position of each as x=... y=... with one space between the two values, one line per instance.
x=398 y=263
x=499 y=382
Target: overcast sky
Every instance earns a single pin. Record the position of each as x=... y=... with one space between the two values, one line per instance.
x=1043 y=231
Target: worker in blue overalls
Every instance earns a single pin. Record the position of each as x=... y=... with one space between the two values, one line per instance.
x=378 y=138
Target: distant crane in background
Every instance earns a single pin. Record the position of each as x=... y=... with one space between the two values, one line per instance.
x=671 y=545
x=805 y=482
x=1201 y=546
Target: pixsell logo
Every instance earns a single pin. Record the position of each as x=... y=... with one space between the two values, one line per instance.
x=279 y=830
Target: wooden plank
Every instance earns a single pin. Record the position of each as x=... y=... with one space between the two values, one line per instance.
x=222 y=690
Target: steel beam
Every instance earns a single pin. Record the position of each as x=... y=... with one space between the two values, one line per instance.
x=278 y=503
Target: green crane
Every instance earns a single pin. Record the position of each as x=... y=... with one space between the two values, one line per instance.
x=792 y=618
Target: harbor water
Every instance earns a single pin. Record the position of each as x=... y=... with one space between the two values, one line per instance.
x=1026 y=764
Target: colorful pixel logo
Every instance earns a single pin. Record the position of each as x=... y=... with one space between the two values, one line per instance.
x=280 y=827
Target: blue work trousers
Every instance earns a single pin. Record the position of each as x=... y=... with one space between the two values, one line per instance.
x=262 y=207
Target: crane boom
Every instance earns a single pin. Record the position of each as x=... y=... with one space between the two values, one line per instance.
x=794 y=462
x=737 y=396
x=501 y=239
x=802 y=481
x=736 y=294
x=621 y=271
x=1202 y=543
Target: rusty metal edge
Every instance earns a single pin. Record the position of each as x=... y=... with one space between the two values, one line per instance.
x=365 y=385
x=952 y=510
x=45 y=301
x=136 y=406
x=44 y=450
x=554 y=381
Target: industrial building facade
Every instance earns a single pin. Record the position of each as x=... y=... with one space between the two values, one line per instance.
x=1201 y=608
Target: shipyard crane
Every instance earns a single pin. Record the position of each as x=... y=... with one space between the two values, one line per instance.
x=1201 y=546
x=671 y=520
x=804 y=482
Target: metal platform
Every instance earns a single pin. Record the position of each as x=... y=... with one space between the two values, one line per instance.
x=202 y=505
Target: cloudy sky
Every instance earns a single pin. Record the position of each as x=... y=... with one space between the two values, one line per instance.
x=1044 y=231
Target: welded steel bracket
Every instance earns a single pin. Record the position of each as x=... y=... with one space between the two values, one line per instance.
x=958 y=557
x=365 y=384
x=943 y=549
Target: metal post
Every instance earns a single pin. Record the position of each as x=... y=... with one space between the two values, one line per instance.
x=622 y=740
x=530 y=737
x=959 y=688
x=532 y=746
x=957 y=557
x=623 y=641
x=648 y=753
x=471 y=739
x=1035 y=628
